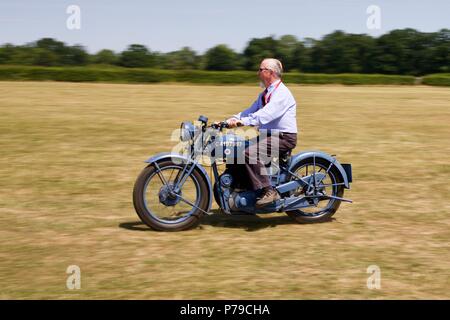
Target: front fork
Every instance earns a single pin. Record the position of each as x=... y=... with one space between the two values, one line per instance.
x=180 y=179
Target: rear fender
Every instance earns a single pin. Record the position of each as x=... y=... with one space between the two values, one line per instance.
x=319 y=154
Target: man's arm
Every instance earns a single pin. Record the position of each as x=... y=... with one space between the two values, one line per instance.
x=277 y=107
x=253 y=108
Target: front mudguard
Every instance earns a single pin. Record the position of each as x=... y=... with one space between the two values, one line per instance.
x=178 y=158
x=319 y=154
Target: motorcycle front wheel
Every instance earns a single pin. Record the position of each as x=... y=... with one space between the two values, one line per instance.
x=164 y=210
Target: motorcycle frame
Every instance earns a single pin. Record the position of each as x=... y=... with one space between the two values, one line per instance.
x=191 y=163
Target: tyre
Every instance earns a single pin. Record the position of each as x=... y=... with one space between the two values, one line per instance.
x=163 y=210
x=332 y=184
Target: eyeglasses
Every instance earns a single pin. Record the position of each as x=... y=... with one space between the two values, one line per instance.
x=262 y=69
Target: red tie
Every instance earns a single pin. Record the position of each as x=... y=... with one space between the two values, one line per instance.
x=270 y=95
x=264 y=97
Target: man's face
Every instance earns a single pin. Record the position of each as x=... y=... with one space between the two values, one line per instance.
x=264 y=73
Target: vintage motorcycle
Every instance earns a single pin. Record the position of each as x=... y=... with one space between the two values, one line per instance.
x=174 y=191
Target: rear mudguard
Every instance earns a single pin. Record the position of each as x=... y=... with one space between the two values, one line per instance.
x=319 y=154
x=178 y=158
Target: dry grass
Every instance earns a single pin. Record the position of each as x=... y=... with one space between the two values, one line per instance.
x=70 y=154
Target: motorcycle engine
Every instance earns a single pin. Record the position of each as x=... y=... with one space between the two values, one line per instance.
x=226 y=180
x=237 y=199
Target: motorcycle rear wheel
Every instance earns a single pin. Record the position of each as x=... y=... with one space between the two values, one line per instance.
x=308 y=215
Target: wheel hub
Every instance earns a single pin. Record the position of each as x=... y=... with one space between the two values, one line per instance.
x=167 y=196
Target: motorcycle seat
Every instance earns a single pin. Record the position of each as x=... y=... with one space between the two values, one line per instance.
x=283 y=159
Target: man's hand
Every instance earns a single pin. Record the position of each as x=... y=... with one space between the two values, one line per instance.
x=233 y=122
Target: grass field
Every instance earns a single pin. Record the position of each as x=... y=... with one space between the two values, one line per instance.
x=70 y=154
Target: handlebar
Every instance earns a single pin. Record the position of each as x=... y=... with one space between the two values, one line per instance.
x=223 y=124
x=220 y=125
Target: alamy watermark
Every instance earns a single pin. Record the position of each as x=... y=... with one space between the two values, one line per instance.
x=237 y=148
x=374 y=19
x=73 y=281
x=73 y=22
x=374 y=280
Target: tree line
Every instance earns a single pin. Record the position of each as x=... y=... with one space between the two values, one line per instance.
x=403 y=52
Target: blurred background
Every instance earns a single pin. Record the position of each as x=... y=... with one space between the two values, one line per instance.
x=90 y=89
x=392 y=38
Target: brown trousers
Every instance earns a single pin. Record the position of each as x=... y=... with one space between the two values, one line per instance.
x=260 y=152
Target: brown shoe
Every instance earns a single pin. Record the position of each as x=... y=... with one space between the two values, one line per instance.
x=269 y=196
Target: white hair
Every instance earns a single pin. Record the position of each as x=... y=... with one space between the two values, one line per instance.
x=274 y=65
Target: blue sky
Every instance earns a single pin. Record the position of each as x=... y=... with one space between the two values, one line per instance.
x=171 y=24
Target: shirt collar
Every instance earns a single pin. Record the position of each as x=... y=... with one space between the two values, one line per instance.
x=273 y=85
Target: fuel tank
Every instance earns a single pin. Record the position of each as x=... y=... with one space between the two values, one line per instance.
x=230 y=147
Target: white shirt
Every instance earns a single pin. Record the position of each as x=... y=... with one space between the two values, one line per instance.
x=280 y=113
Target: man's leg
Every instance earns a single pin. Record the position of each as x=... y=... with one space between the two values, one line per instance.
x=255 y=158
x=255 y=168
x=268 y=148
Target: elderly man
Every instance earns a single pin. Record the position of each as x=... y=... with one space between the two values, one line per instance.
x=273 y=112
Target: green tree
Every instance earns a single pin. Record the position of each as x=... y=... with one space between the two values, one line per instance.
x=258 y=49
x=64 y=55
x=301 y=58
x=339 y=52
x=221 y=58
x=440 y=51
x=74 y=56
x=105 y=56
x=287 y=52
x=186 y=58
x=136 y=56
x=51 y=45
x=44 y=57
x=6 y=53
x=405 y=51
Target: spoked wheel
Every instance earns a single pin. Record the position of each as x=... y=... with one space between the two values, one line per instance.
x=160 y=207
x=322 y=207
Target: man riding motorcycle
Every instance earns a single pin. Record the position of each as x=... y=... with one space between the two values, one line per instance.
x=274 y=113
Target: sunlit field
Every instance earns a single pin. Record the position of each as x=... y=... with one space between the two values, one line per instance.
x=70 y=154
